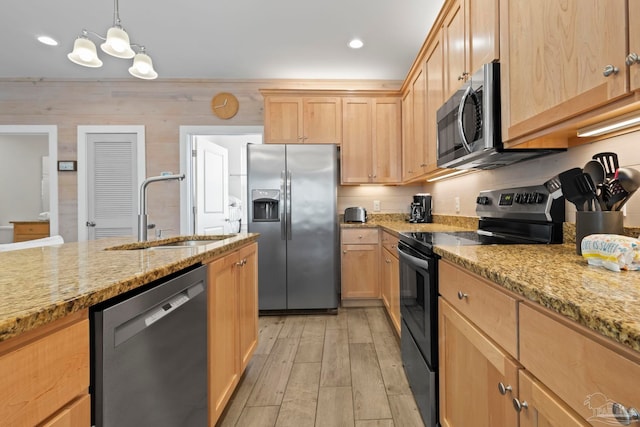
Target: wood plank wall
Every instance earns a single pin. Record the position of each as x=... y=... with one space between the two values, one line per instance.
x=162 y=106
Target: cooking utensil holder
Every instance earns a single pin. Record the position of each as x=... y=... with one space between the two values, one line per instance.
x=598 y=222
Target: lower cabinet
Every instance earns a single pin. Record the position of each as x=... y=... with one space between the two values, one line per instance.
x=390 y=278
x=540 y=408
x=46 y=375
x=565 y=375
x=474 y=372
x=359 y=263
x=233 y=323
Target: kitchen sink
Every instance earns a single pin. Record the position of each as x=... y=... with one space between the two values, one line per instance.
x=174 y=242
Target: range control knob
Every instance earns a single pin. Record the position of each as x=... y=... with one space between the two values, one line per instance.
x=483 y=200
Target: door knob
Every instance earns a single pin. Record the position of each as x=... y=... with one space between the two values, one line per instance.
x=462 y=295
x=503 y=389
x=90 y=224
x=609 y=70
x=519 y=406
x=632 y=58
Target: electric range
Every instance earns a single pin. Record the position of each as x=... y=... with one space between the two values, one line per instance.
x=523 y=215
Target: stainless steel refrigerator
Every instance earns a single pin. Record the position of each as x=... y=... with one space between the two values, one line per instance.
x=292 y=204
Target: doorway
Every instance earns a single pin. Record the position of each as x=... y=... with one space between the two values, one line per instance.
x=49 y=185
x=111 y=168
x=234 y=139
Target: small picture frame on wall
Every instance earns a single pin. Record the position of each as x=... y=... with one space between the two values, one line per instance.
x=67 y=165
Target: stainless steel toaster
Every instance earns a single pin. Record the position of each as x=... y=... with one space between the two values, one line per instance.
x=355 y=214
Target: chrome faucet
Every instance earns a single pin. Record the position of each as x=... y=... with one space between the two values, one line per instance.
x=142 y=215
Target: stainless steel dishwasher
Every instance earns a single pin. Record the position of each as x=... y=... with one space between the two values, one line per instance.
x=149 y=355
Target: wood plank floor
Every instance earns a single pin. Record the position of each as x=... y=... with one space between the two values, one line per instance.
x=324 y=370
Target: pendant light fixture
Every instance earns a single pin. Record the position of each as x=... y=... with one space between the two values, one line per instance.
x=116 y=44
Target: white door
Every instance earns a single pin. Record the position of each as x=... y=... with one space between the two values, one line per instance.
x=112 y=183
x=211 y=165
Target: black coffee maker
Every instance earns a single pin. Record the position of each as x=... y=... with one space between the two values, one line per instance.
x=421 y=208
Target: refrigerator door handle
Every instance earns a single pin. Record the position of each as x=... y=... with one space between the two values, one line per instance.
x=288 y=205
x=283 y=199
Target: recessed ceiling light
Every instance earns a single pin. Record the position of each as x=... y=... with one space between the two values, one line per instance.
x=356 y=44
x=47 y=40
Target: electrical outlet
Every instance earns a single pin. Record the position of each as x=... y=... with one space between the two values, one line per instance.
x=376 y=205
x=624 y=210
x=457 y=202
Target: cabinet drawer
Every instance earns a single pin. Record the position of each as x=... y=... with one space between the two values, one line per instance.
x=587 y=375
x=32 y=228
x=356 y=236
x=390 y=243
x=76 y=414
x=43 y=370
x=491 y=309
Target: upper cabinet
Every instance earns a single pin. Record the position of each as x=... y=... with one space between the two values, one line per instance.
x=414 y=122
x=371 y=140
x=471 y=32
x=562 y=59
x=302 y=120
x=633 y=56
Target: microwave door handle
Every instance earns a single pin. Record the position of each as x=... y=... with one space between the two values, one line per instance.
x=463 y=138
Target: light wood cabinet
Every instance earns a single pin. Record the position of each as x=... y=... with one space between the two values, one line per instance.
x=541 y=408
x=584 y=370
x=414 y=149
x=408 y=174
x=232 y=320
x=45 y=374
x=29 y=230
x=359 y=263
x=390 y=277
x=301 y=119
x=494 y=311
x=553 y=60
x=471 y=368
x=434 y=67
x=371 y=140
x=634 y=43
x=471 y=39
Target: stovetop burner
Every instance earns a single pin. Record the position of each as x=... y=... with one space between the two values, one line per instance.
x=522 y=215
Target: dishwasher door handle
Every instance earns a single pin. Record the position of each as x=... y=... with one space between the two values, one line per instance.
x=134 y=326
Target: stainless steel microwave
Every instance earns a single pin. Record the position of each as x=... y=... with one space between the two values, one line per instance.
x=469 y=134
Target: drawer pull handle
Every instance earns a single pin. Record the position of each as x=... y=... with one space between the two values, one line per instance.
x=344 y=251
x=610 y=70
x=503 y=389
x=623 y=415
x=519 y=406
x=462 y=295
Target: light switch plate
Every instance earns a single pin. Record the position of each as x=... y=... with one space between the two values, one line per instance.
x=376 y=205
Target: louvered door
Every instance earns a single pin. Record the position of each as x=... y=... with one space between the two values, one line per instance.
x=111 y=185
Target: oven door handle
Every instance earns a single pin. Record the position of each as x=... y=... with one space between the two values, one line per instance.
x=418 y=262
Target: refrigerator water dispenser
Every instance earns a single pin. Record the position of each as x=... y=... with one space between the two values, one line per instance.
x=266 y=205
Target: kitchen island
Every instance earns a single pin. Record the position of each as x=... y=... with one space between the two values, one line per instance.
x=44 y=316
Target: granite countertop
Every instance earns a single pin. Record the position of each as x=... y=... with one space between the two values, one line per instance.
x=39 y=285
x=550 y=275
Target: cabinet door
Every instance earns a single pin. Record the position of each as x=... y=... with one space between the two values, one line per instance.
x=322 y=121
x=482 y=33
x=360 y=271
x=419 y=90
x=407 y=136
x=454 y=45
x=224 y=360
x=543 y=408
x=434 y=67
x=248 y=302
x=471 y=368
x=283 y=120
x=556 y=55
x=385 y=278
x=76 y=414
x=394 y=292
x=386 y=140
x=356 y=154
x=634 y=42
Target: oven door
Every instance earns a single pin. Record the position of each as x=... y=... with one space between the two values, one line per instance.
x=418 y=300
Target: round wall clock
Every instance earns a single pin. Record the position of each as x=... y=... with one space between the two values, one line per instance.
x=224 y=105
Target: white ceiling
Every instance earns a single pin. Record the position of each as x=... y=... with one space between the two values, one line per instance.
x=222 y=39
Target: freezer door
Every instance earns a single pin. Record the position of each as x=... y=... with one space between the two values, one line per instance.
x=312 y=248
x=265 y=171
